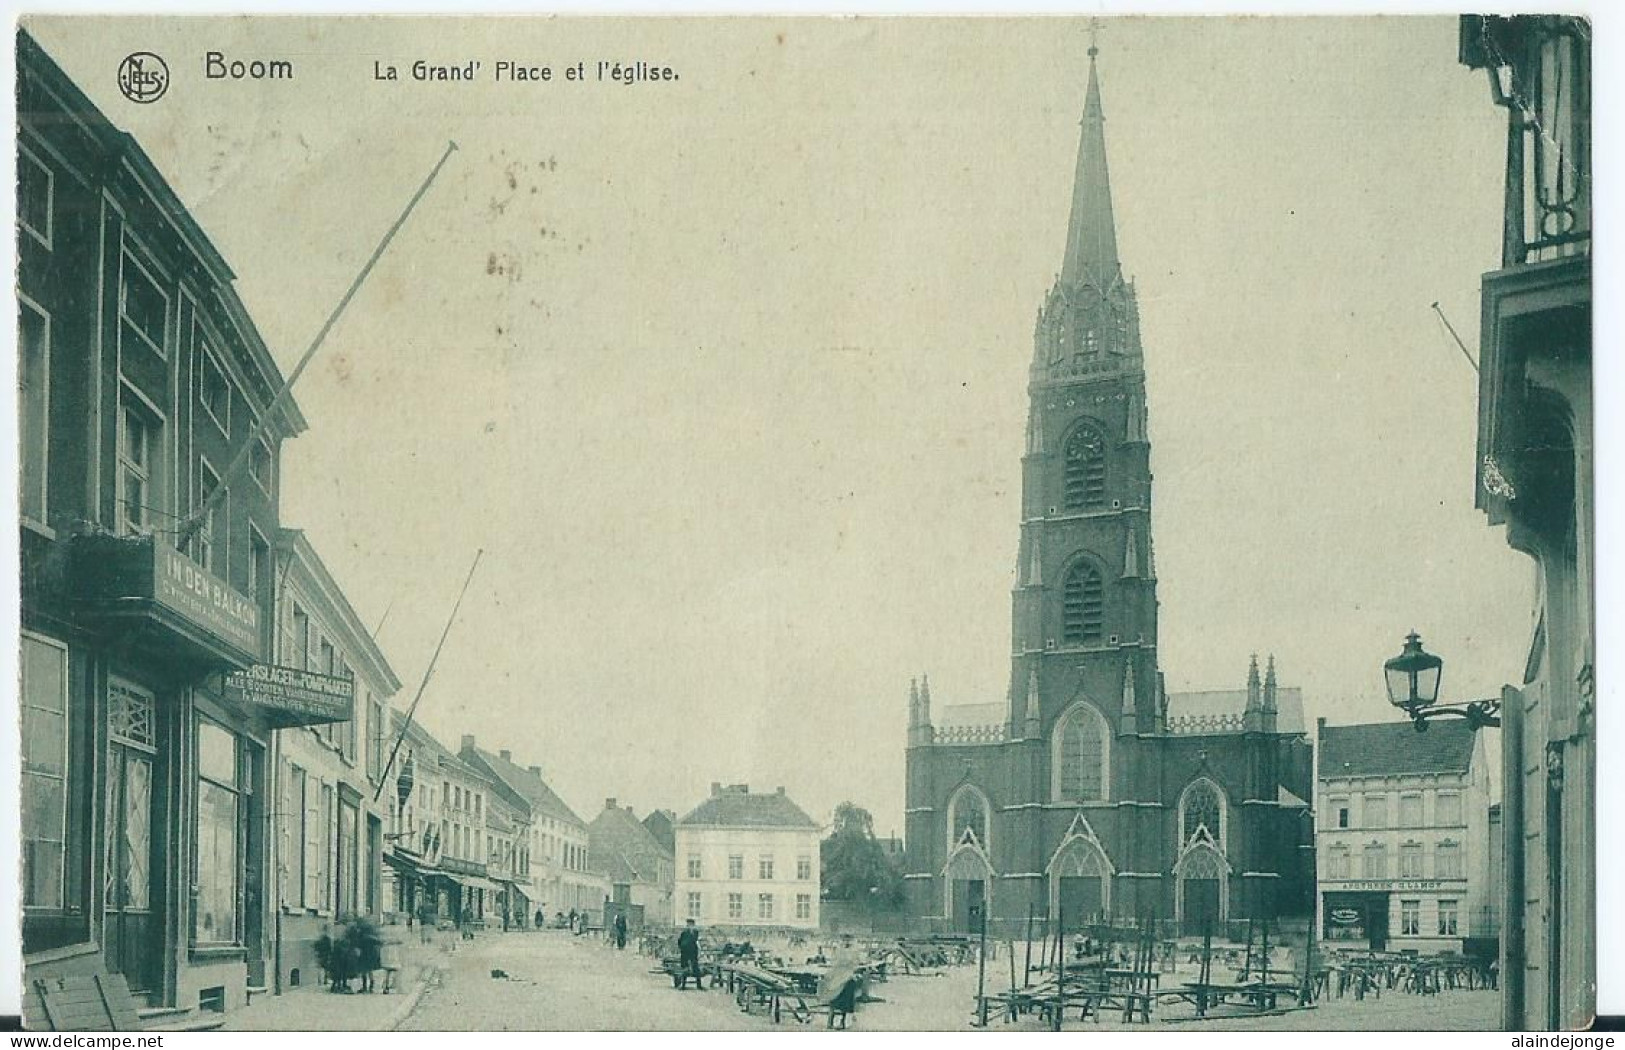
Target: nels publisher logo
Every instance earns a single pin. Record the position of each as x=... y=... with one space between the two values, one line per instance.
x=143 y=77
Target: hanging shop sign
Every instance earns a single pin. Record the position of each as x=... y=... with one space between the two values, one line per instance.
x=308 y=697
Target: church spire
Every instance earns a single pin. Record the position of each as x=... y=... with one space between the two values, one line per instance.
x=1091 y=239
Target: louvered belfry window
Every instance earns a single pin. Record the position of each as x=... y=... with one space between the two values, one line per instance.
x=1085 y=469
x=1083 y=601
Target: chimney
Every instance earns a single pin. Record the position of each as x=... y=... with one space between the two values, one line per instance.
x=781 y=789
x=468 y=741
x=609 y=803
x=507 y=756
x=536 y=771
x=716 y=788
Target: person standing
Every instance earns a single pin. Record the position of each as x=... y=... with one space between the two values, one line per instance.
x=688 y=956
x=620 y=930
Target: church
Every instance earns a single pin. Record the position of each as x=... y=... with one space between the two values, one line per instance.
x=1091 y=793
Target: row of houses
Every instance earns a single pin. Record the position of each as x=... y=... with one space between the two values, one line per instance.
x=211 y=776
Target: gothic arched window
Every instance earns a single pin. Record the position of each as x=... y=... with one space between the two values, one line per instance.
x=967 y=811
x=1082 y=755
x=1083 y=605
x=1201 y=806
x=1085 y=469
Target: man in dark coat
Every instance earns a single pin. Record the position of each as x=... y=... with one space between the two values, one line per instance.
x=688 y=956
x=620 y=929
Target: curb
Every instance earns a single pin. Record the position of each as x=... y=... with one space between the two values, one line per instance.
x=430 y=977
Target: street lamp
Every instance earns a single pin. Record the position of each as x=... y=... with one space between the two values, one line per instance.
x=1413 y=687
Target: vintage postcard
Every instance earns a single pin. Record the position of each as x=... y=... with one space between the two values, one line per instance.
x=763 y=523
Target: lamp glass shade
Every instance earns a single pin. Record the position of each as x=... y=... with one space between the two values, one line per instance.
x=1413 y=675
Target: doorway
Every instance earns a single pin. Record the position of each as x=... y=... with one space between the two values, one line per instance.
x=1081 y=899
x=970 y=905
x=1201 y=906
x=132 y=910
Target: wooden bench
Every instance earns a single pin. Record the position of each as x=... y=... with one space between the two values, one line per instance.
x=95 y=1002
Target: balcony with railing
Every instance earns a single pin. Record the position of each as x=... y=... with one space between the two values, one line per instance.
x=1539 y=69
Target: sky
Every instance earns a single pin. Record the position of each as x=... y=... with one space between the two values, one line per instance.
x=726 y=375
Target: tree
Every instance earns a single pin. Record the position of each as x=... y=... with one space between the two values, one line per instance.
x=853 y=864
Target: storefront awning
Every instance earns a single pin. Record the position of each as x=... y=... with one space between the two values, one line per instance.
x=410 y=865
x=473 y=882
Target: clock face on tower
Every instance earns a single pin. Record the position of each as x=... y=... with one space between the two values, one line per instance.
x=1087 y=444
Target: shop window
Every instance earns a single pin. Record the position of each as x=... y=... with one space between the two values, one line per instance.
x=1410 y=918
x=45 y=771
x=33 y=408
x=214 y=917
x=1449 y=918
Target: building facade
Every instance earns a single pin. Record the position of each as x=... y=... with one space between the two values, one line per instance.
x=640 y=873
x=329 y=819
x=1535 y=476
x=149 y=463
x=1404 y=838
x=748 y=860
x=1088 y=792
x=550 y=869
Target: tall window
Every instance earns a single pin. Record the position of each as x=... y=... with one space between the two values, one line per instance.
x=1376 y=811
x=1449 y=918
x=1410 y=918
x=693 y=905
x=968 y=813
x=1410 y=811
x=259 y=565
x=260 y=467
x=695 y=869
x=294 y=834
x=214 y=390
x=1085 y=469
x=33 y=407
x=34 y=193
x=1447 y=809
x=1375 y=864
x=375 y=736
x=137 y=435
x=300 y=642
x=1410 y=860
x=1337 y=863
x=143 y=307
x=209 y=546
x=1083 y=605
x=1447 y=860
x=1201 y=806
x=1340 y=812
x=1082 y=755
x=764 y=905
x=803 y=868
x=803 y=905
x=764 y=867
x=736 y=866
x=736 y=905
x=45 y=771
x=214 y=917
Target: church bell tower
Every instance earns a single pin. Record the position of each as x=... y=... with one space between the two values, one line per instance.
x=1085 y=609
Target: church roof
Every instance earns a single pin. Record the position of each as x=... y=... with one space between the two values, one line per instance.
x=735 y=806
x=970 y=715
x=1091 y=239
x=1389 y=749
x=1215 y=703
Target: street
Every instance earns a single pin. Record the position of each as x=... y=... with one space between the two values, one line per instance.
x=551 y=981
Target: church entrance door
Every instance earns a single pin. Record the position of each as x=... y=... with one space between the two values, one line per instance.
x=970 y=903
x=1201 y=906
x=1081 y=900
